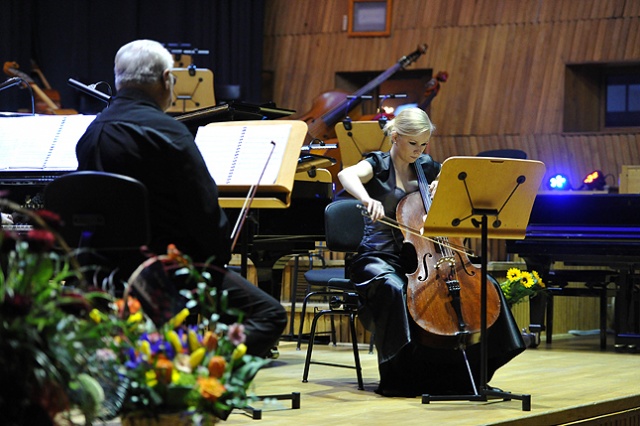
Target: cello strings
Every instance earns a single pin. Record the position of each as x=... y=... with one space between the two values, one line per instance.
x=418 y=232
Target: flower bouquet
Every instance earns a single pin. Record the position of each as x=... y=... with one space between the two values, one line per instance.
x=521 y=284
x=48 y=339
x=191 y=367
x=69 y=348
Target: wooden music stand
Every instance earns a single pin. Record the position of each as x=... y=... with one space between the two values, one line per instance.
x=223 y=138
x=192 y=90
x=476 y=187
x=362 y=138
x=274 y=194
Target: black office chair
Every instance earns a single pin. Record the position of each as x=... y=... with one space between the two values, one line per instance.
x=516 y=154
x=344 y=229
x=104 y=216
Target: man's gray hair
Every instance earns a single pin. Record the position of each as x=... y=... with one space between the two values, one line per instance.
x=141 y=62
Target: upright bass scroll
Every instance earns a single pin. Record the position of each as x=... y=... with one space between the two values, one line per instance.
x=330 y=107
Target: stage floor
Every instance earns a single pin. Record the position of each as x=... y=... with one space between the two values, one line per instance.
x=570 y=380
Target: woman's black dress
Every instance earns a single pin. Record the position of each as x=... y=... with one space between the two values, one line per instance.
x=406 y=367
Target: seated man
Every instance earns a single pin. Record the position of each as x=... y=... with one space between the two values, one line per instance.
x=134 y=137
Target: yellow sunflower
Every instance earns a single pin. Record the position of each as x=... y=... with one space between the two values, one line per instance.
x=537 y=278
x=527 y=280
x=514 y=274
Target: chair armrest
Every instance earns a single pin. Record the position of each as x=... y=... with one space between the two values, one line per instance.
x=341 y=283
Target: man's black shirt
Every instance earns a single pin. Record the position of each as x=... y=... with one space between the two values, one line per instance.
x=134 y=137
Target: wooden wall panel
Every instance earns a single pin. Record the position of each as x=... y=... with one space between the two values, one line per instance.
x=506 y=61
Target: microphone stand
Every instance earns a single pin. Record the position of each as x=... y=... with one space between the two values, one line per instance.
x=15 y=81
x=10 y=82
x=347 y=119
x=382 y=118
x=89 y=90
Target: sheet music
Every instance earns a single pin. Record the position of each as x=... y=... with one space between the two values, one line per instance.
x=41 y=142
x=236 y=155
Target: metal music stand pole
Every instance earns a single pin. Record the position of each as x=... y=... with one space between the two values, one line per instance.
x=476 y=187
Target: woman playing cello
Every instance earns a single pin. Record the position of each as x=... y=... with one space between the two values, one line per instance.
x=408 y=365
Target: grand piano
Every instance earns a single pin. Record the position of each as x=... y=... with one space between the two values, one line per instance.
x=594 y=230
x=270 y=236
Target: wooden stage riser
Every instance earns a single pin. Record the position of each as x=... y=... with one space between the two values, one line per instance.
x=570 y=313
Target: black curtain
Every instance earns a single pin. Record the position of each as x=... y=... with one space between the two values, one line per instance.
x=79 y=39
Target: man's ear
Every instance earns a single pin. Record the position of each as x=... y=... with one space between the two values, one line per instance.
x=166 y=78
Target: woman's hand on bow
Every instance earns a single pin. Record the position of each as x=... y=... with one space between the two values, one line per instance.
x=374 y=208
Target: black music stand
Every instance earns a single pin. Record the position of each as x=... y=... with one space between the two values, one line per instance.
x=475 y=187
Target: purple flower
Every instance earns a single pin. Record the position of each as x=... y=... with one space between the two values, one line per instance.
x=236 y=334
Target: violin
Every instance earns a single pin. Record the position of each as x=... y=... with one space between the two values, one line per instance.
x=444 y=290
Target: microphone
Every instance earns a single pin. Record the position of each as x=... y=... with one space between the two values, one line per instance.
x=393 y=96
x=13 y=81
x=383 y=98
x=89 y=90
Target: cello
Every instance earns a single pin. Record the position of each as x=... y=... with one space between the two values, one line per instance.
x=444 y=290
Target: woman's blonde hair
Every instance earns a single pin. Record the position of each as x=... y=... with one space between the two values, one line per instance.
x=410 y=121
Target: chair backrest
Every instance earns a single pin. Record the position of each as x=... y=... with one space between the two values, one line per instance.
x=227 y=92
x=344 y=225
x=516 y=154
x=100 y=210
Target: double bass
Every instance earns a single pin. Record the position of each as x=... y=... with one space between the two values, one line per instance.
x=328 y=108
x=444 y=290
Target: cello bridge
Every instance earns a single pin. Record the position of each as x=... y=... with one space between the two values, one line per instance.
x=450 y=260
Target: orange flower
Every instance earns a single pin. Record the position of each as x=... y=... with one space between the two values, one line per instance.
x=210 y=341
x=216 y=366
x=175 y=255
x=164 y=370
x=210 y=388
x=132 y=303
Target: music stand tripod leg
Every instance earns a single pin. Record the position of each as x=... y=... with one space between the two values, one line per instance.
x=485 y=391
x=506 y=189
x=484 y=355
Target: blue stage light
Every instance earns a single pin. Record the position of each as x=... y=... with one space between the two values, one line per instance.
x=558 y=182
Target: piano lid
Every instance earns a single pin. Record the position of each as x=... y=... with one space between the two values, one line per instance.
x=586 y=209
x=232 y=111
x=585 y=215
